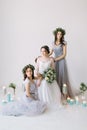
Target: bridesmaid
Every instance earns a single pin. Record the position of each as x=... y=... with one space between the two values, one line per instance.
x=59 y=48
x=29 y=104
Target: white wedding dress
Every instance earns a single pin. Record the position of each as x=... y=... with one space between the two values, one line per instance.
x=48 y=92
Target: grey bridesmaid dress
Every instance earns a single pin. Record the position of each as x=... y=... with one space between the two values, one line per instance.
x=61 y=69
x=26 y=106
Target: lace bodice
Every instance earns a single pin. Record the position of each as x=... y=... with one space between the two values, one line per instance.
x=44 y=65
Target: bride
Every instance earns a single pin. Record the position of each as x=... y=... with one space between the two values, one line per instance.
x=47 y=92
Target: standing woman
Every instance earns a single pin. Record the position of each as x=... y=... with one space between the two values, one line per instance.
x=59 y=48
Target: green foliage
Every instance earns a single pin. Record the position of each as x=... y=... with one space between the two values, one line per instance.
x=59 y=30
x=49 y=75
x=83 y=87
x=12 y=85
x=26 y=67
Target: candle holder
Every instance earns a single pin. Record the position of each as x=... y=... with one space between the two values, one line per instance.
x=4 y=101
x=68 y=99
x=9 y=97
x=72 y=102
x=64 y=90
x=77 y=100
x=84 y=103
x=4 y=90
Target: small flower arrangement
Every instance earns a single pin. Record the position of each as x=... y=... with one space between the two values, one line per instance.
x=83 y=87
x=12 y=85
x=49 y=75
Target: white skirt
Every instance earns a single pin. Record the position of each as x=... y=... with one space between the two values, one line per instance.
x=49 y=93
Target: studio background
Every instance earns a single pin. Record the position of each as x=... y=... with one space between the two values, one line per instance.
x=26 y=25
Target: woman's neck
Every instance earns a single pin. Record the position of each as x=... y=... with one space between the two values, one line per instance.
x=45 y=57
x=57 y=41
x=30 y=78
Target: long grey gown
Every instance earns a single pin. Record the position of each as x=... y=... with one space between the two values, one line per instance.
x=61 y=69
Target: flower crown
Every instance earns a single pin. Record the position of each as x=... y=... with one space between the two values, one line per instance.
x=59 y=30
x=26 y=67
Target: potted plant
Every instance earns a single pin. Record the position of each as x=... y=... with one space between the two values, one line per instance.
x=83 y=87
x=12 y=85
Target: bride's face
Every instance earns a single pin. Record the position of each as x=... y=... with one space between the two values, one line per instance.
x=44 y=52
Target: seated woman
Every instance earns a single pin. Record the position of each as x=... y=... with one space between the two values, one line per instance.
x=29 y=103
x=48 y=92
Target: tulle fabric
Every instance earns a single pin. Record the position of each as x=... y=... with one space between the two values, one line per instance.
x=48 y=92
x=26 y=106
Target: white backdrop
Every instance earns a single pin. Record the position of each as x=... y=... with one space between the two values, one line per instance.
x=26 y=25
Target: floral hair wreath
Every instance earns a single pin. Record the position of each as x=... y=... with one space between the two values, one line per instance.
x=59 y=30
x=26 y=67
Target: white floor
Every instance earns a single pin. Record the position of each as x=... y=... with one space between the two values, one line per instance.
x=68 y=118
x=72 y=117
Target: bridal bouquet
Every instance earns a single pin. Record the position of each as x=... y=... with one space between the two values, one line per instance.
x=49 y=75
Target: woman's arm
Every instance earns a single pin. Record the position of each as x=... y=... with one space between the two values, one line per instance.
x=39 y=81
x=52 y=62
x=37 y=68
x=28 y=90
x=51 y=52
x=63 y=55
x=39 y=76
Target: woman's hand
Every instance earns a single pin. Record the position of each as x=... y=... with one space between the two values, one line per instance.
x=53 y=58
x=40 y=77
x=38 y=82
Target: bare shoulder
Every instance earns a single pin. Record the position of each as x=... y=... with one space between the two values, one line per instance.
x=39 y=58
x=51 y=59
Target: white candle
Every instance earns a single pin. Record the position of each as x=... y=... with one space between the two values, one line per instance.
x=84 y=103
x=64 y=85
x=71 y=101
x=68 y=99
x=64 y=89
x=4 y=90
x=76 y=98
